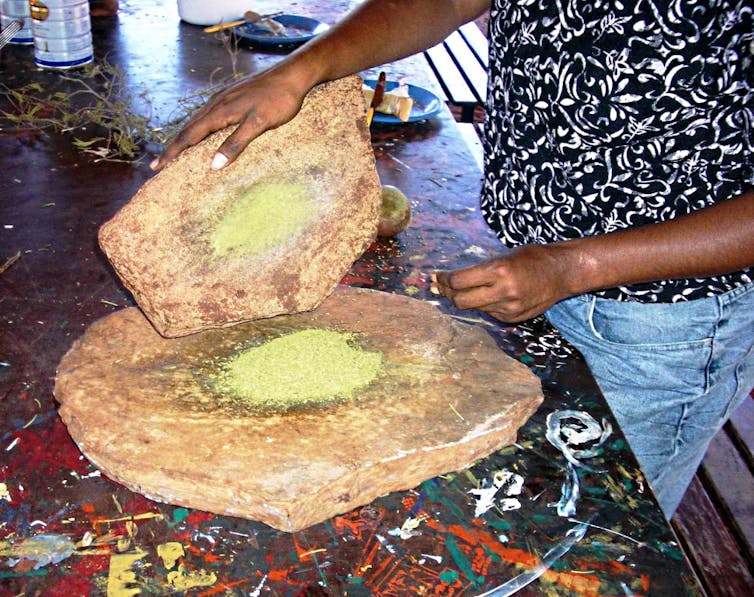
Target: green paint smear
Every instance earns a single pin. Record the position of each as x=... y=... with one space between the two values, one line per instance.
x=449 y=576
x=451 y=544
x=179 y=515
x=6 y=574
x=314 y=366
x=264 y=217
x=500 y=524
x=432 y=490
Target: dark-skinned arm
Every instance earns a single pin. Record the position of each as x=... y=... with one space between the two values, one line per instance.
x=530 y=279
x=377 y=32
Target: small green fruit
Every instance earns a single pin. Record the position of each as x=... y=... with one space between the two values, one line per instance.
x=395 y=213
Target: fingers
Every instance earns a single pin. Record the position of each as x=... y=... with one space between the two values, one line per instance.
x=255 y=111
x=232 y=147
x=222 y=110
x=198 y=128
x=471 y=288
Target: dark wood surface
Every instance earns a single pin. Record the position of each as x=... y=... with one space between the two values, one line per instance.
x=715 y=520
x=65 y=529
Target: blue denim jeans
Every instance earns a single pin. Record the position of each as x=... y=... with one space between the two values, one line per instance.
x=671 y=373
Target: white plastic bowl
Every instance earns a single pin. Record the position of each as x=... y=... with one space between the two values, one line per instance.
x=201 y=12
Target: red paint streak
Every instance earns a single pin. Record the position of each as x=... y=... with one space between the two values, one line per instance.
x=408 y=502
x=211 y=558
x=587 y=585
x=79 y=580
x=304 y=554
x=222 y=587
x=355 y=524
x=197 y=517
x=88 y=508
x=47 y=451
x=277 y=575
x=616 y=568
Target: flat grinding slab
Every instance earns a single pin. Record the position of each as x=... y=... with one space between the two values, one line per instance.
x=272 y=233
x=158 y=414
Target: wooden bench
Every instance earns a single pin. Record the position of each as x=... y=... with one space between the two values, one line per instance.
x=460 y=66
x=715 y=521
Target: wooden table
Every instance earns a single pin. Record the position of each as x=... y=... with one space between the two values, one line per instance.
x=67 y=530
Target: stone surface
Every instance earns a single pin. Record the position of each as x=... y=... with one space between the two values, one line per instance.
x=140 y=408
x=160 y=243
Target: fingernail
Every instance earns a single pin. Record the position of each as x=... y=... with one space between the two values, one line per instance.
x=218 y=161
x=154 y=163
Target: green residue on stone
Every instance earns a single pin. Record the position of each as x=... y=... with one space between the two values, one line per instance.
x=308 y=367
x=264 y=217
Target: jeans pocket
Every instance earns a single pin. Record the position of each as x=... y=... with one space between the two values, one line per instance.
x=667 y=347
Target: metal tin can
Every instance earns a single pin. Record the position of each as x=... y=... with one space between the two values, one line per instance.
x=11 y=10
x=62 y=33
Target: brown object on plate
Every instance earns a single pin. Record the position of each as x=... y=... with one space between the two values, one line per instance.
x=143 y=409
x=272 y=233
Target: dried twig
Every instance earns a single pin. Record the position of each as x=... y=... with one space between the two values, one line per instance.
x=95 y=106
x=10 y=261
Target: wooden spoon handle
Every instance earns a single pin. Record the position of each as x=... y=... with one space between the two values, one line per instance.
x=221 y=26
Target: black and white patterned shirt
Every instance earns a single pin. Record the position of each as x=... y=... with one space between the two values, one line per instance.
x=609 y=114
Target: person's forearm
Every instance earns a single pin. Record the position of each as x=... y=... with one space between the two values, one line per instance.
x=712 y=241
x=378 y=32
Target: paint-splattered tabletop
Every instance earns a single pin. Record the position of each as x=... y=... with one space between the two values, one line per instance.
x=564 y=511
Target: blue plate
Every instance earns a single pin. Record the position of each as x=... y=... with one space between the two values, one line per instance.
x=297 y=31
x=426 y=104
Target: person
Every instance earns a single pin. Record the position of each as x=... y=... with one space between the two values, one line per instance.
x=619 y=171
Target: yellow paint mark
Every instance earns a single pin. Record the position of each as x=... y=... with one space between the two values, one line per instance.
x=184 y=579
x=144 y=516
x=170 y=552
x=123 y=544
x=618 y=490
x=4 y=493
x=623 y=471
x=120 y=577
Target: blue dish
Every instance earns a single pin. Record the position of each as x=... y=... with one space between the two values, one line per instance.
x=297 y=31
x=426 y=104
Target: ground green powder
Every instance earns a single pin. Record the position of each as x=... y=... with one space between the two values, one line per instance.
x=303 y=368
x=264 y=217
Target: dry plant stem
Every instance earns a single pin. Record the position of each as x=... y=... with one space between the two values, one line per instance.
x=99 y=99
x=10 y=261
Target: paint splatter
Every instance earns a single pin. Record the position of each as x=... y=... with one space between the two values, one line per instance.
x=577 y=435
x=121 y=578
x=41 y=549
x=506 y=481
x=184 y=579
x=408 y=528
x=170 y=553
x=573 y=536
x=567 y=430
